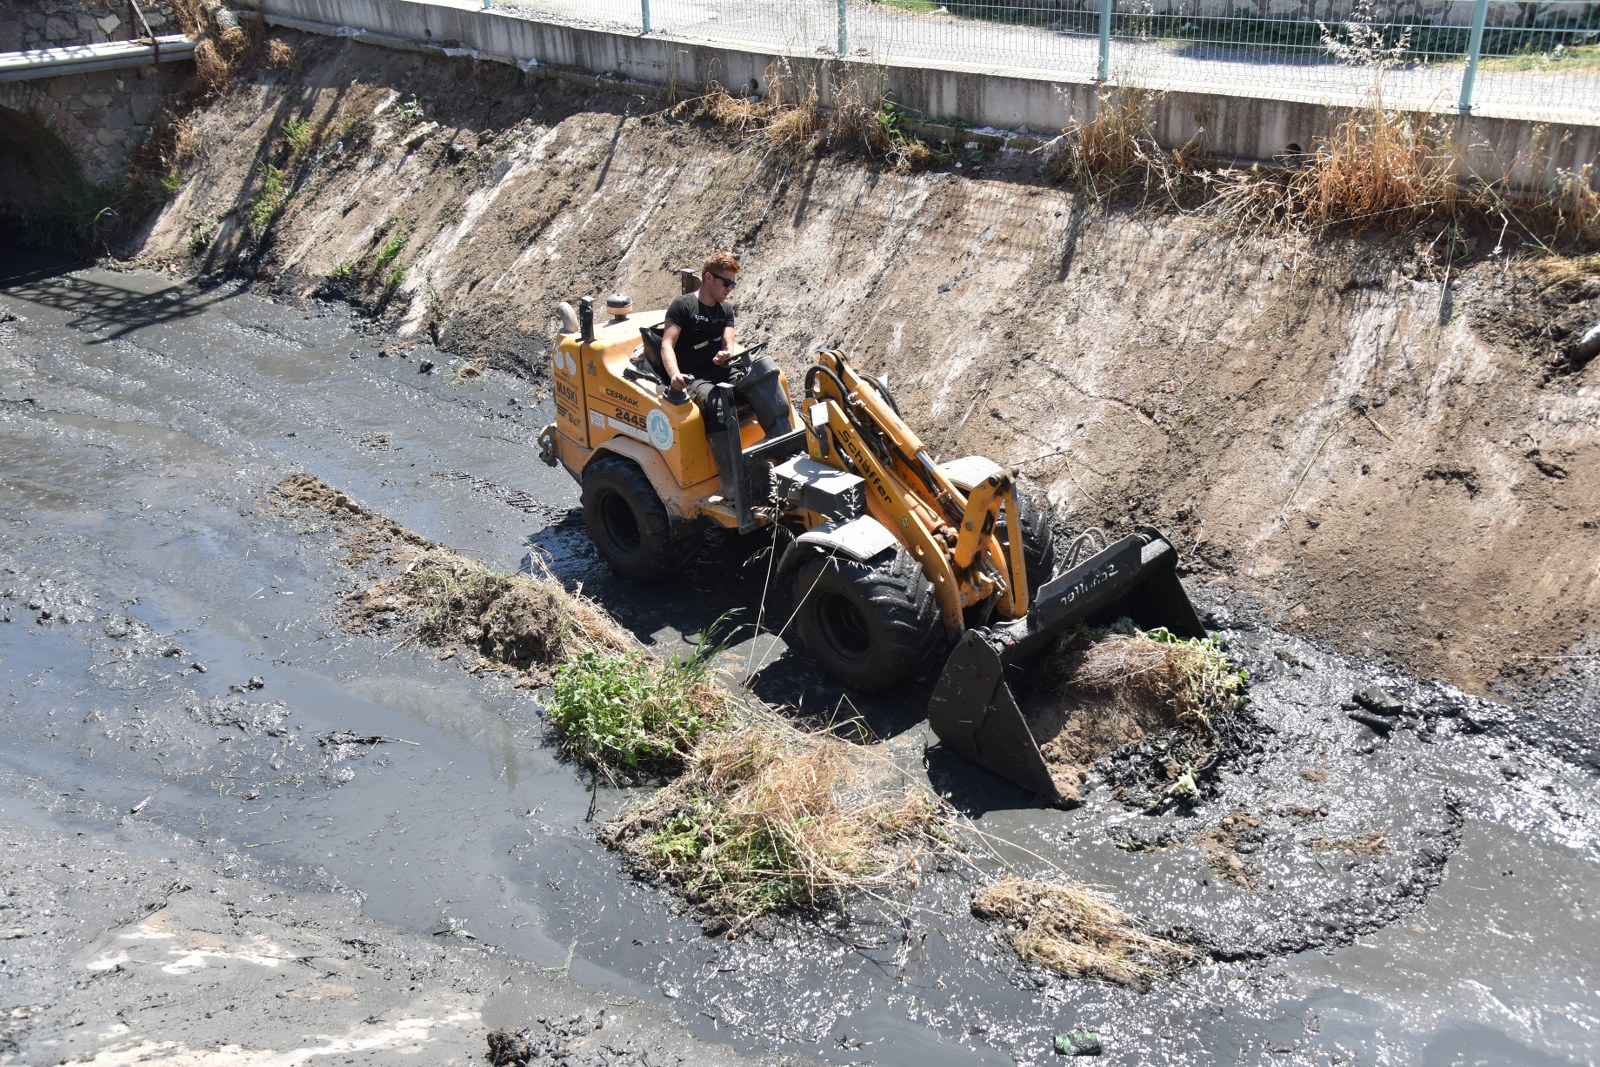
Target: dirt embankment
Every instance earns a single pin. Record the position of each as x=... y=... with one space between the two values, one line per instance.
x=1380 y=445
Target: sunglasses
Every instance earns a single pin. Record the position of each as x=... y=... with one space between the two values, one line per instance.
x=729 y=282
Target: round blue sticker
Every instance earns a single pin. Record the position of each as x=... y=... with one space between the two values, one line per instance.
x=660 y=429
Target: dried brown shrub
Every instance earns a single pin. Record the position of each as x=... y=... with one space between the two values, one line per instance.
x=280 y=54
x=740 y=114
x=210 y=68
x=863 y=115
x=185 y=139
x=1378 y=167
x=1116 y=149
x=1074 y=931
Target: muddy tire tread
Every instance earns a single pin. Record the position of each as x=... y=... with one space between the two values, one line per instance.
x=663 y=544
x=896 y=601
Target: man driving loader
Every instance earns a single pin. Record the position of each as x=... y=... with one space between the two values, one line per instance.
x=697 y=355
x=701 y=324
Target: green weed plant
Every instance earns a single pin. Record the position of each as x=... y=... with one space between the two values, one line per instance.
x=630 y=714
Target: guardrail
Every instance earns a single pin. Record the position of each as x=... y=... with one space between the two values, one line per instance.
x=1537 y=60
x=84 y=58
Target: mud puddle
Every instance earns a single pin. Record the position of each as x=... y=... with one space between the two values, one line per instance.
x=1389 y=876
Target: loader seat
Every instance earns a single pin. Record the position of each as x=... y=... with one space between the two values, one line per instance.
x=651 y=335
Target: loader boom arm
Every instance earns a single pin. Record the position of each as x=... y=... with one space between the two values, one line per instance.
x=952 y=533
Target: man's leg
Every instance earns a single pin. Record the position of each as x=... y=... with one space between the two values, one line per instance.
x=762 y=389
x=718 y=410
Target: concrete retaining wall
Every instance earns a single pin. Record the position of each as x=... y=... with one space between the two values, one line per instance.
x=1531 y=155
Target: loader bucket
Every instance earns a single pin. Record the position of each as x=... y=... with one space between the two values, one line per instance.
x=974 y=710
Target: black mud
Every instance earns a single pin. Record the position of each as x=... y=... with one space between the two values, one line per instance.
x=1391 y=872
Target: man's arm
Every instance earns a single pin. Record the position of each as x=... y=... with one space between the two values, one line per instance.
x=669 y=356
x=727 y=346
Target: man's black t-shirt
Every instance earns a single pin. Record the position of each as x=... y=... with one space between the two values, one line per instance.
x=700 y=336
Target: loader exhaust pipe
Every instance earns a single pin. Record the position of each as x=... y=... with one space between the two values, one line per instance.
x=586 y=319
x=974 y=710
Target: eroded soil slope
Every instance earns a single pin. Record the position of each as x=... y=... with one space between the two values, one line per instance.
x=1376 y=444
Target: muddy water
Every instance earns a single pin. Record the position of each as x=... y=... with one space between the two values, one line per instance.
x=169 y=645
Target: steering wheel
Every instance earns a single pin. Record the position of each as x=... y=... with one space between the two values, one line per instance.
x=739 y=365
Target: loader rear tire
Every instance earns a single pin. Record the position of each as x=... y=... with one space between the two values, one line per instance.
x=1038 y=541
x=628 y=524
x=872 y=626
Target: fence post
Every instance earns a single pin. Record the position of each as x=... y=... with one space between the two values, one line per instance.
x=1105 y=41
x=1480 y=13
x=644 y=16
x=844 y=39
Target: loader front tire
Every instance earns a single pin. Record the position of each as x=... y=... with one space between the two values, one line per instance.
x=628 y=524
x=872 y=626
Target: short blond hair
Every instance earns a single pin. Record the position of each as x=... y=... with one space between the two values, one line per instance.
x=721 y=263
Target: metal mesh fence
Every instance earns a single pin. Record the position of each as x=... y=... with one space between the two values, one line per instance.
x=1535 y=60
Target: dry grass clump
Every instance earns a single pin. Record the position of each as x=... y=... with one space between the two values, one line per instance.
x=210 y=68
x=865 y=116
x=1076 y=932
x=1576 y=204
x=1369 y=844
x=767 y=819
x=222 y=42
x=796 y=126
x=280 y=54
x=516 y=620
x=1379 y=166
x=1565 y=270
x=1396 y=170
x=743 y=115
x=1188 y=677
x=789 y=116
x=1116 y=149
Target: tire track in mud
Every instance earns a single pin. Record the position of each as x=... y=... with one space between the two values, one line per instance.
x=520 y=499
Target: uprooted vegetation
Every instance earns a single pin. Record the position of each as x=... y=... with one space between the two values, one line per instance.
x=521 y=622
x=1100 y=691
x=627 y=713
x=1076 y=932
x=763 y=818
x=768 y=819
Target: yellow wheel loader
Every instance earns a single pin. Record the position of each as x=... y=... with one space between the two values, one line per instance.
x=896 y=558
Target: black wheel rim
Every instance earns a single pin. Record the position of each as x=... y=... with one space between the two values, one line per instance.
x=621 y=525
x=843 y=629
